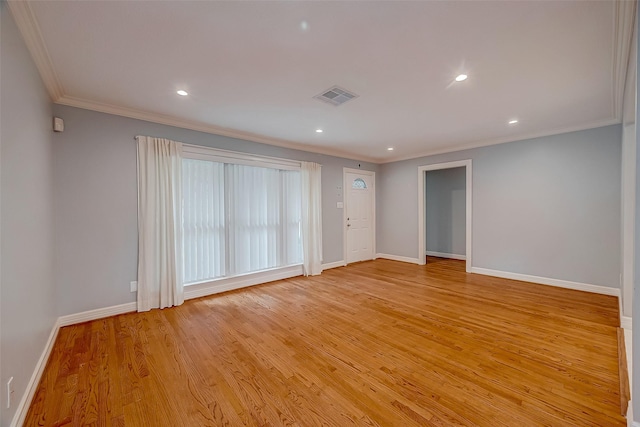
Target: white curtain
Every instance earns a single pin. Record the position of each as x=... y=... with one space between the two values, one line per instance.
x=159 y=223
x=311 y=218
x=291 y=218
x=254 y=218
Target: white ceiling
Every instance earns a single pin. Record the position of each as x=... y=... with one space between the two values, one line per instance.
x=252 y=69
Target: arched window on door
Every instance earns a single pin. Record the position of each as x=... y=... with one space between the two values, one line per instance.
x=359 y=184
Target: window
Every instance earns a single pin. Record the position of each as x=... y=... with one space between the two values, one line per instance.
x=203 y=221
x=238 y=218
x=359 y=184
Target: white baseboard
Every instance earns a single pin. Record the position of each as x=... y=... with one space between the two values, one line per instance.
x=233 y=283
x=446 y=255
x=99 y=313
x=628 y=343
x=604 y=290
x=330 y=265
x=71 y=319
x=630 y=422
x=85 y=316
x=211 y=288
x=193 y=291
x=626 y=322
x=399 y=258
x=32 y=385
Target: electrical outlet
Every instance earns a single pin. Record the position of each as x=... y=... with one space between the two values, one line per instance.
x=134 y=286
x=10 y=392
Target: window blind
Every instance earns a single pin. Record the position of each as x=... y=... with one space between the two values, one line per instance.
x=238 y=219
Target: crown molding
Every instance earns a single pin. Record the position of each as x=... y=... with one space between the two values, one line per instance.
x=26 y=22
x=624 y=19
x=203 y=127
x=504 y=140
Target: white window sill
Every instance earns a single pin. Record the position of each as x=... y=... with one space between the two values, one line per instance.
x=224 y=284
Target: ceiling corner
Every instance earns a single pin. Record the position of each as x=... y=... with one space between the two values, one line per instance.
x=204 y=127
x=28 y=25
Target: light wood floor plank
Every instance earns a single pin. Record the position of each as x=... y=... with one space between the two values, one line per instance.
x=378 y=343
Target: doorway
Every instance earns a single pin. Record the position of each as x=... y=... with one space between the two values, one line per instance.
x=422 y=203
x=445 y=231
x=359 y=215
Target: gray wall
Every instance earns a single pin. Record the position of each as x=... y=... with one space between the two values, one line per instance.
x=96 y=204
x=28 y=311
x=446 y=211
x=546 y=207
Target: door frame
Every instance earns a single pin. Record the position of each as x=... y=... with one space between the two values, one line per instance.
x=422 y=218
x=372 y=174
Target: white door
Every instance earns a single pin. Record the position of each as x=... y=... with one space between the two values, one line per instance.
x=359 y=190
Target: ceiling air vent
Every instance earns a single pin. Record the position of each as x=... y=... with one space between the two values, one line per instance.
x=335 y=96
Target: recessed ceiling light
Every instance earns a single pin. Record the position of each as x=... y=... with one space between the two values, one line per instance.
x=390 y=149
x=182 y=92
x=319 y=130
x=461 y=78
x=513 y=122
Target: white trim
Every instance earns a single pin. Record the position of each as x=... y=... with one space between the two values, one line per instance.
x=422 y=170
x=32 y=386
x=624 y=20
x=28 y=26
x=626 y=322
x=233 y=283
x=331 y=265
x=628 y=346
x=372 y=174
x=26 y=21
x=99 y=313
x=504 y=140
x=620 y=310
x=203 y=127
x=446 y=255
x=216 y=130
x=399 y=258
x=628 y=206
x=597 y=289
x=237 y=282
x=199 y=152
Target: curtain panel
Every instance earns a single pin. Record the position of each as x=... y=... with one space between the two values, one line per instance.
x=159 y=223
x=311 y=218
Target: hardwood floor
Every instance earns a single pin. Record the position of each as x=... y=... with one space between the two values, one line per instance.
x=377 y=343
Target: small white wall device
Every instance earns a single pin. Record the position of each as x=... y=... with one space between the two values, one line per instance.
x=58 y=124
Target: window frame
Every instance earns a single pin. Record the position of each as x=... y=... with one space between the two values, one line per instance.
x=225 y=156
x=358 y=187
x=225 y=283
